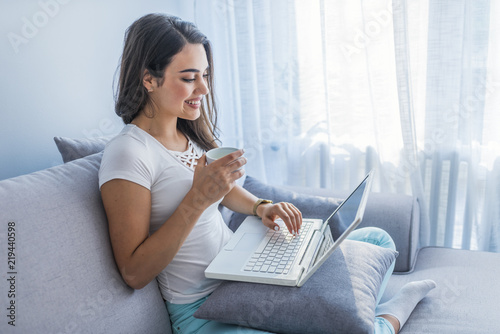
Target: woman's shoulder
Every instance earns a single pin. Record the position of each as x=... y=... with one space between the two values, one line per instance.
x=128 y=145
x=127 y=156
x=129 y=142
x=129 y=135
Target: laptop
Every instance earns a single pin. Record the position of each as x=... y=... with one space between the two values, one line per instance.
x=258 y=254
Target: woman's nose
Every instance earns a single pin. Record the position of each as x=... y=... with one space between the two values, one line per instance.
x=203 y=86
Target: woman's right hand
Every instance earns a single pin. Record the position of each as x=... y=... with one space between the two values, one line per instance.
x=212 y=182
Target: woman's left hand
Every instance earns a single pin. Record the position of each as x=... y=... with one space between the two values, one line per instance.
x=291 y=216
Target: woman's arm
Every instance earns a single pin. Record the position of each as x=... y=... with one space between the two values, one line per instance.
x=141 y=257
x=242 y=201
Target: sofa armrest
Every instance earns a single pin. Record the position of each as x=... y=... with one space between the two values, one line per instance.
x=399 y=215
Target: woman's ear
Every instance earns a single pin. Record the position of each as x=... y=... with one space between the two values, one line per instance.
x=148 y=81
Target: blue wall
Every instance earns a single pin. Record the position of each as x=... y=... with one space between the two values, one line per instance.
x=57 y=62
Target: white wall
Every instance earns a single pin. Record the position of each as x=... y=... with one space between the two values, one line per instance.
x=57 y=63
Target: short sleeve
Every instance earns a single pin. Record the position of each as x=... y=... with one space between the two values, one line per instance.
x=126 y=158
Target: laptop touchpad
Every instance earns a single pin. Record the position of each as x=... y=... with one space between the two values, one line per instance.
x=248 y=242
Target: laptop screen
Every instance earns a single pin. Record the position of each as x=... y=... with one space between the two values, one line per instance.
x=347 y=211
x=342 y=221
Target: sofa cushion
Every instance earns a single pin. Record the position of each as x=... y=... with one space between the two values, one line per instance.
x=396 y=214
x=339 y=298
x=66 y=278
x=466 y=297
x=72 y=149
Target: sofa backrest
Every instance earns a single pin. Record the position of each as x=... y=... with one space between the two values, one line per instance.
x=61 y=275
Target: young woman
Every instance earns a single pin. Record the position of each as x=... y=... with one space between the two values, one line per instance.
x=160 y=196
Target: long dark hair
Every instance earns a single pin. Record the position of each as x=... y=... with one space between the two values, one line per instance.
x=150 y=44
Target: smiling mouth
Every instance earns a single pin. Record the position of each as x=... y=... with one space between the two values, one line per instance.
x=194 y=102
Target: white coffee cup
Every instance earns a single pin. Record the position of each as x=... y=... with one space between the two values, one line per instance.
x=219 y=152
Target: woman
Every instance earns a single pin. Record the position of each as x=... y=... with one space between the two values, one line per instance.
x=160 y=196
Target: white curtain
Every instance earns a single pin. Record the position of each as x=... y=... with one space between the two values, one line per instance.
x=318 y=92
x=449 y=91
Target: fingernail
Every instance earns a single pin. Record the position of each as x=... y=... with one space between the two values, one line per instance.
x=276 y=228
x=293 y=232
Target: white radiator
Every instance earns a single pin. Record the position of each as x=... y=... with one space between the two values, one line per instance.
x=320 y=165
x=463 y=200
x=456 y=192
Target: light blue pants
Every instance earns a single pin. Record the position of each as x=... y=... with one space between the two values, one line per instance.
x=183 y=322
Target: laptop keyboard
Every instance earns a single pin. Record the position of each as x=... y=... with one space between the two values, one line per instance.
x=277 y=251
x=326 y=245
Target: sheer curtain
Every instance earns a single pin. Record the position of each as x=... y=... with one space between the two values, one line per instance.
x=318 y=92
x=449 y=87
x=256 y=78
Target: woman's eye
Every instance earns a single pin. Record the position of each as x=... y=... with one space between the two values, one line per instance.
x=191 y=80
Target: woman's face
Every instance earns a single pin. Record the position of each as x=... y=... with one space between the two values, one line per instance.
x=184 y=85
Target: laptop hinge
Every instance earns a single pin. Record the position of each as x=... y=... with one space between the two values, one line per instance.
x=311 y=251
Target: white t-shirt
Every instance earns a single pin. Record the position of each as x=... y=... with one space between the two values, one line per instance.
x=136 y=156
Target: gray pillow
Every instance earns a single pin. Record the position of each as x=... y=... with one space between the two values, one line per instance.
x=72 y=149
x=339 y=298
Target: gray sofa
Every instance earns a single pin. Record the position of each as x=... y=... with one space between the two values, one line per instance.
x=59 y=276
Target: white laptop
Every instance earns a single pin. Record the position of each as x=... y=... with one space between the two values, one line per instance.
x=258 y=254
